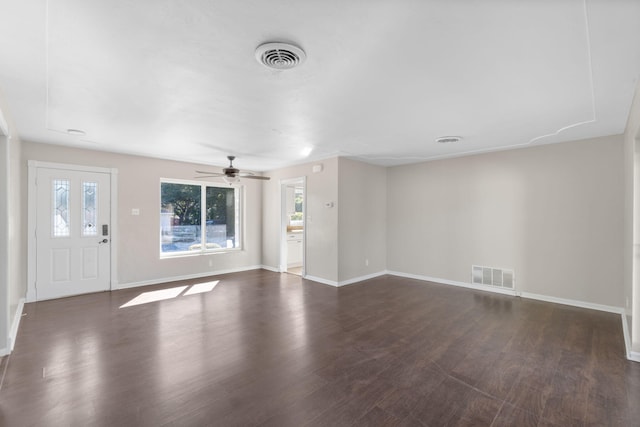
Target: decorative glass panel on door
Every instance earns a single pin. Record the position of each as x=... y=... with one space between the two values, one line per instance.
x=60 y=212
x=89 y=208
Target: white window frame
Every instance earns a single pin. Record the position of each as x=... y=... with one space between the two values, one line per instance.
x=239 y=218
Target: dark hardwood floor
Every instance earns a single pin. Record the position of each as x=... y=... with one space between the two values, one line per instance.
x=268 y=349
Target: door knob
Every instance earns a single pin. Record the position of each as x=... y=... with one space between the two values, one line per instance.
x=103 y=241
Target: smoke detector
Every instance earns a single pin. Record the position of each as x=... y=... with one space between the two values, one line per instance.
x=448 y=139
x=76 y=132
x=280 y=56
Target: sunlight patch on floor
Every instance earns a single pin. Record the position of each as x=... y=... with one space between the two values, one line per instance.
x=153 y=296
x=164 y=294
x=200 y=288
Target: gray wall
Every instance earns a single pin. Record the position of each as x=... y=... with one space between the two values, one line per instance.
x=362 y=219
x=553 y=213
x=138 y=236
x=12 y=283
x=322 y=223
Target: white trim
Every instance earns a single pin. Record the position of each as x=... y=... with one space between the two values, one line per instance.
x=32 y=173
x=269 y=268
x=68 y=166
x=186 y=277
x=361 y=278
x=321 y=280
x=13 y=334
x=5 y=249
x=31 y=229
x=574 y=303
x=114 y=228
x=283 y=264
x=4 y=128
x=345 y=282
x=4 y=352
x=454 y=283
x=631 y=355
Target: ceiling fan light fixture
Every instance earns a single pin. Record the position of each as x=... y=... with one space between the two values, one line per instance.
x=231 y=180
x=280 y=56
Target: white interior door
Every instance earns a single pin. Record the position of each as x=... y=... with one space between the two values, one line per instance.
x=72 y=232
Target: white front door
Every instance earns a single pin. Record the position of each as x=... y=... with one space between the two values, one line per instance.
x=73 y=229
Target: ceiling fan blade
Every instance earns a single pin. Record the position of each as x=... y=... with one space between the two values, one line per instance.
x=264 y=178
x=210 y=173
x=231 y=173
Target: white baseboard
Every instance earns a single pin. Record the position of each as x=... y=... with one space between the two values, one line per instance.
x=631 y=355
x=269 y=268
x=361 y=278
x=185 y=277
x=345 y=282
x=13 y=333
x=321 y=280
x=454 y=283
x=31 y=295
x=574 y=303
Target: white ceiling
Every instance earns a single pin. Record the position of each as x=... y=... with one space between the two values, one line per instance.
x=382 y=79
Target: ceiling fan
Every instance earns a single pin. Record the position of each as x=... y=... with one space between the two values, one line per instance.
x=231 y=173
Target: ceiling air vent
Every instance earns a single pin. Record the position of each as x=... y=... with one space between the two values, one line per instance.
x=448 y=139
x=280 y=56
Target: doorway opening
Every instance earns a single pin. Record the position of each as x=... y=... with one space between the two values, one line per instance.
x=293 y=226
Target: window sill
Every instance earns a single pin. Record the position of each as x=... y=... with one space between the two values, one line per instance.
x=200 y=253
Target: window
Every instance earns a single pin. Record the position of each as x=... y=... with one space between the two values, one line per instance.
x=298 y=200
x=196 y=218
x=60 y=215
x=89 y=208
x=295 y=202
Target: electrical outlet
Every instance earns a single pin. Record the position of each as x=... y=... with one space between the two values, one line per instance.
x=366 y=262
x=210 y=263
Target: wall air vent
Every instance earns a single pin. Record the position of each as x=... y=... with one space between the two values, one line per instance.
x=280 y=56
x=491 y=276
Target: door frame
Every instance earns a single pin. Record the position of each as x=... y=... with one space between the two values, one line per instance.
x=283 y=223
x=32 y=204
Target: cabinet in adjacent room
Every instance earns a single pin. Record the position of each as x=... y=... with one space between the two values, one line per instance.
x=294 y=249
